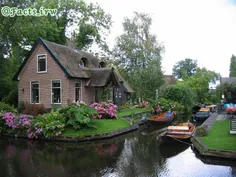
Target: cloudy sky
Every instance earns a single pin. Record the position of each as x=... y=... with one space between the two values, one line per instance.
x=204 y=30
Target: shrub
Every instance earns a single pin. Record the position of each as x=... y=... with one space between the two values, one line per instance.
x=7 y=108
x=34 y=109
x=18 y=123
x=125 y=106
x=105 y=110
x=12 y=97
x=1 y=123
x=143 y=104
x=165 y=105
x=49 y=125
x=21 y=106
x=78 y=117
x=182 y=94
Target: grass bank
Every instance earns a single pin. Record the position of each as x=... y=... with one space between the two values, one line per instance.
x=219 y=136
x=103 y=126
x=127 y=112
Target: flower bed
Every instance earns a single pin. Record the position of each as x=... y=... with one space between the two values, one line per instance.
x=48 y=125
x=18 y=123
x=53 y=124
x=105 y=110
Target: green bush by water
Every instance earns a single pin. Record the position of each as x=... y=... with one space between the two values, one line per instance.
x=78 y=117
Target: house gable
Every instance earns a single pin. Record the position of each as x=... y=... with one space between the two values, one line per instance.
x=32 y=51
x=29 y=73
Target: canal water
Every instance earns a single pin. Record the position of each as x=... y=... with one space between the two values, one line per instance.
x=137 y=154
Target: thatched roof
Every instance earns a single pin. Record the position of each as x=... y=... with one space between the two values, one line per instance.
x=169 y=80
x=228 y=80
x=69 y=59
x=125 y=84
x=103 y=76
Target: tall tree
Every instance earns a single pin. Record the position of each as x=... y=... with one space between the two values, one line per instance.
x=138 y=55
x=232 y=67
x=94 y=26
x=184 y=67
x=183 y=94
x=200 y=81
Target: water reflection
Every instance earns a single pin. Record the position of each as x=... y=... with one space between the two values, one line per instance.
x=171 y=150
x=132 y=155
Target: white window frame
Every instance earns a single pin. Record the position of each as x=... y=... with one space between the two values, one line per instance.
x=31 y=91
x=56 y=87
x=80 y=96
x=46 y=61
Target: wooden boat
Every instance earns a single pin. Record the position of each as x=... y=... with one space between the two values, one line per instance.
x=162 y=118
x=212 y=107
x=231 y=110
x=182 y=131
x=204 y=110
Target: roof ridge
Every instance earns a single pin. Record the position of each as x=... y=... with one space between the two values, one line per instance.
x=57 y=44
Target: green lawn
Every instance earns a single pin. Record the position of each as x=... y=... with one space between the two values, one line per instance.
x=219 y=136
x=103 y=126
x=127 y=112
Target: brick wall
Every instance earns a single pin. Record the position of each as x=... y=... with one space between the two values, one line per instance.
x=88 y=93
x=54 y=72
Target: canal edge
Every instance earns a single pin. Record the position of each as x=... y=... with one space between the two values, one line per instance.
x=204 y=150
x=106 y=135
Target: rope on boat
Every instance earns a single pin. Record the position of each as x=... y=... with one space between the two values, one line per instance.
x=180 y=141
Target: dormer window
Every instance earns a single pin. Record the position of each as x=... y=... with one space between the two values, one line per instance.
x=102 y=64
x=42 y=63
x=84 y=62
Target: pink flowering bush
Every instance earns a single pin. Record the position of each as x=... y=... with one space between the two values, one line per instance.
x=10 y=120
x=144 y=104
x=105 y=110
x=48 y=125
x=19 y=123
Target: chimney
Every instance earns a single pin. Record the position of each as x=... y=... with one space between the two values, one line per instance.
x=71 y=43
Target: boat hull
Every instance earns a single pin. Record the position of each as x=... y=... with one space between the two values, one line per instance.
x=173 y=140
x=182 y=132
x=160 y=119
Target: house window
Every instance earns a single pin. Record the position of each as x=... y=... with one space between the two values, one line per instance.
x=34 y=91
x=42 y=63
x=78 y=91
x=56 y=91
x=84 y=62
x=110 y=94
x=102 y=64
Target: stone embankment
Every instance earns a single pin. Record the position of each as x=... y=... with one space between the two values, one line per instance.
x=203 y=131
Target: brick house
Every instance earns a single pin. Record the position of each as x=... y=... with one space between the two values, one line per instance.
x=56 y=74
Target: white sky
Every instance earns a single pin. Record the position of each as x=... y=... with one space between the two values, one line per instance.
x=203 y=30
